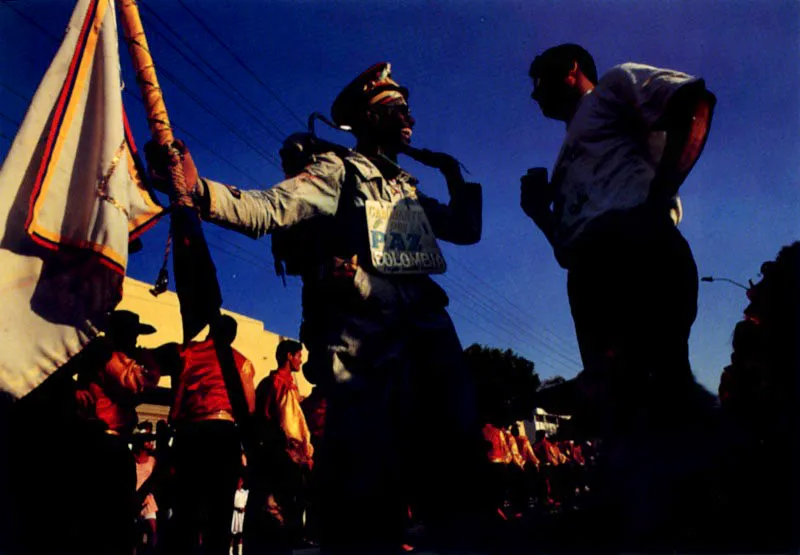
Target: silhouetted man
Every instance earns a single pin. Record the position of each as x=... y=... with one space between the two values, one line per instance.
x=207 y=447
x=381 y=344
x=631 y=139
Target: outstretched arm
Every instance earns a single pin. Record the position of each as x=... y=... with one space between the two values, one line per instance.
x=311 y=193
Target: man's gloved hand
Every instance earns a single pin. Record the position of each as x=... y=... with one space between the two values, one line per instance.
x=158 y=167
x=536 y=193
x=445 y=163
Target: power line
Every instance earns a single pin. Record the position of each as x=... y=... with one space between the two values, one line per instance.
x=274 y=131
x=175 y=81
x=242 y=63
x=488 y=302
x=503 y=341
x=233 y=254
x=195 y=140
x=248 y=252
x=183 y=131
x=267 y=156
x=31 y=21
x=10 y=120
x=513 y=306
x=491 y=317
x=15 y=93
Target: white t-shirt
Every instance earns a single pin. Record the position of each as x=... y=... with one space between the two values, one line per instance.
x=610 y=152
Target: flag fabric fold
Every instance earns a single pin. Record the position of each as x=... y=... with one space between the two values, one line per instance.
x=196 y=281
x=72 y=196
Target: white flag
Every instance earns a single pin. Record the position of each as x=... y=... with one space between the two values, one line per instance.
x=71 y=198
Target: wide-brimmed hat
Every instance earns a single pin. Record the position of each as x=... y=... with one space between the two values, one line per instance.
x=375 y=85
x=122 y=323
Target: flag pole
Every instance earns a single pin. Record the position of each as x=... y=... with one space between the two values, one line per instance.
x=156 y=109
x=195 y=274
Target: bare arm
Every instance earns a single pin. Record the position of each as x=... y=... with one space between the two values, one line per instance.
x=687 y=121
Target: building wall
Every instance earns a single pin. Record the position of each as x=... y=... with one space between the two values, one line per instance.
x=163 y=313
x=545 y=421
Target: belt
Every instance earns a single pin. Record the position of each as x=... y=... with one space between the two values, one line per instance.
x=219 y=415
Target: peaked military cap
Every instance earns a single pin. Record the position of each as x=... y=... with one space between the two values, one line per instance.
x=374 y=86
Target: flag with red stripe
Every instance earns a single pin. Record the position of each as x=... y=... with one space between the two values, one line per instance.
x=71 y=198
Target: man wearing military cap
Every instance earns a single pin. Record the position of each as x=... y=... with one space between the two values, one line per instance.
x=381 y=345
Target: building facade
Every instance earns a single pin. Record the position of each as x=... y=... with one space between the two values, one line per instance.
x=163 y=313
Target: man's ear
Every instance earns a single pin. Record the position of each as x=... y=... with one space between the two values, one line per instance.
x=572 y=76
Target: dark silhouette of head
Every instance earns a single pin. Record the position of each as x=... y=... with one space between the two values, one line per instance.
x=561 y=76
x=224 y=329
x=123 y=327
x=376 y=108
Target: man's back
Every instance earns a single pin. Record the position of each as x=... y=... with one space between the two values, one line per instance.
x=612 y=147
x=200 y=389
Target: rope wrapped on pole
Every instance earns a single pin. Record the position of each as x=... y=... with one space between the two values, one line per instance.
x=156 y=109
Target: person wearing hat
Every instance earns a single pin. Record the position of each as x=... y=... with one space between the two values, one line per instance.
x=382 y=348
x=108 y=388
x=109 y=396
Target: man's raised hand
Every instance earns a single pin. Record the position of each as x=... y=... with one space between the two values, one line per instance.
x=158 y=167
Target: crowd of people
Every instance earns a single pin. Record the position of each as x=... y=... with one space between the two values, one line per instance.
x=391 y=436
x=549 y=474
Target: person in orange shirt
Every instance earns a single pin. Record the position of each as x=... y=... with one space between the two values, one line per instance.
x=530 y=483
x=552 y=457
x=500 y=457
x=282 y=458
x=529 y=458
x=577 y=453
x=108 y=388
x=548 y=451
x=516 y=483
x=207 y=446
x=499 y=452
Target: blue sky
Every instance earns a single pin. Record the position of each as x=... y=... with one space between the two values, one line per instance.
x=465 y=63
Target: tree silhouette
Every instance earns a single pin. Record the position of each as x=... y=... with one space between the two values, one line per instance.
x=507 y=384
x=758 y=393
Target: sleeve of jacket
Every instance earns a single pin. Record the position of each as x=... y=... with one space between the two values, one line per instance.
x=310 y=194
x=248 y=373
x=527 y=451
x=461 y=220
x=293 y=424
